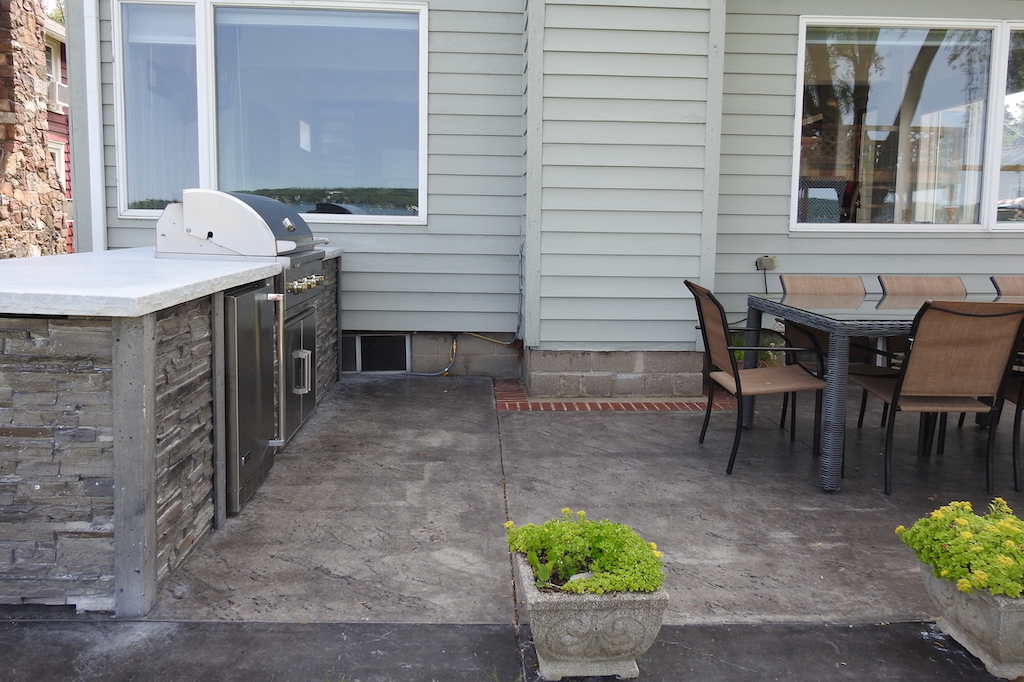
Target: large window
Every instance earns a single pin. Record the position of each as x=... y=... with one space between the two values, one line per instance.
x=898 y=126
x=320 y=107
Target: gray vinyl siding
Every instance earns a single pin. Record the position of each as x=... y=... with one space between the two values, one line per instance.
x=759 y=106
x=619 y=156
x=460 y=272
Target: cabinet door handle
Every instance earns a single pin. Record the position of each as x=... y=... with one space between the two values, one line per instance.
x=278 y=300
x=303 y=371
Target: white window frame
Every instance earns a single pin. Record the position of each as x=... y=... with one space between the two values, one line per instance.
x=57 y=154
x=993 y=122
x=206 y=97
x=53 y=72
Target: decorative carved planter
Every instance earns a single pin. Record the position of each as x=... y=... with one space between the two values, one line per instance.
x=989 y=626
x=579 y=635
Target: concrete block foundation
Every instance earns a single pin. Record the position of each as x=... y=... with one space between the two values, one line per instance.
x=613 y=374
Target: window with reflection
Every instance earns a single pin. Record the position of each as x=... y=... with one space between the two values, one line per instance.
x=159 y=108
x=892 y=127
x=321 y=108
x=1011 y=189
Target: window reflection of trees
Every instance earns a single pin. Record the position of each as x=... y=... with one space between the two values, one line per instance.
x=889 y=173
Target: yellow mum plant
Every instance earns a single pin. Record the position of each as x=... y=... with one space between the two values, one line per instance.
x=575 y=554
x=975 y=552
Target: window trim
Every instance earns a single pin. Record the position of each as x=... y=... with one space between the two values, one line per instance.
x=57 y=152
x=206 y=98
x=993 y=122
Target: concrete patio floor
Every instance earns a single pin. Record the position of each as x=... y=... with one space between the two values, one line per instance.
x=375 y=550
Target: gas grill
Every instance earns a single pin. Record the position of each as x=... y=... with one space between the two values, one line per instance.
x=270 y=326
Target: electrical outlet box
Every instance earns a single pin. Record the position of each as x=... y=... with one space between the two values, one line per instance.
x=767 y=263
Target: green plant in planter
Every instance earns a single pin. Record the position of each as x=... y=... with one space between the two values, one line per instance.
x=575 y=554
x=975 y=552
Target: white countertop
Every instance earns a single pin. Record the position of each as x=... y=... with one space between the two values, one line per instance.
x=118 y=283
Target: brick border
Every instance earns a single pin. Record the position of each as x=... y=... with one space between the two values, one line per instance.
x=510 y=396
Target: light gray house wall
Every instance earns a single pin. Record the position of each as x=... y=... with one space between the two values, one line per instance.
x=461 y=271
x=584 y=159
x=582 y=135
x=622 y=157
x=619 y=152
x=759 y=109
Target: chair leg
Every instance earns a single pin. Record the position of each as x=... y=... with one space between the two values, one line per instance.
x=885 y=415
x=736 y=438
x=990 y=458
x=792 y=421
x=785 y=405
x=926 y=434
x=990 y=451
x=863 y=408
x=707 y=412
x=1016 y=447
x=960 y=422
x=940 y=449
x=888 y=452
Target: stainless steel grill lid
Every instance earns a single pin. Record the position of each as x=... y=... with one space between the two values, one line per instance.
x=211 y=222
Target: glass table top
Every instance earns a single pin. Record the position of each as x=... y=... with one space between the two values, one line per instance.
x=871 y=306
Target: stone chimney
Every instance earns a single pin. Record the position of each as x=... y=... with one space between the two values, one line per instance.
x=32 y=212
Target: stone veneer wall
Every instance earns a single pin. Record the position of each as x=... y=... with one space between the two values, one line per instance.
x=56 y=462
x=184 y=431
x=327 y=348
x=593 y=374
x=32 y=213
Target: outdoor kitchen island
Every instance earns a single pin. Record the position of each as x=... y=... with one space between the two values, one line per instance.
x=112 y=418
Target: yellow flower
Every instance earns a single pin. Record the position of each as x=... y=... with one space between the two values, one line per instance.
x=566 y=510
x=653 y=545
x=977 y=548
x=967 y=535
x=1004 y=561
x=980 y=576
x=1009 y=544
x=944 y=572
x=509 y=525
x=960 y=521
x=658 y=554
x=900 y=530
x=938 y=515
x=964 y=585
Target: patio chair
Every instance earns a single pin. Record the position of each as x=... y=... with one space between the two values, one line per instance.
x=742 y=383
x=922 y=285
x=960 y=354
x=901 y=291
x=1008 y=285
x=846 y=289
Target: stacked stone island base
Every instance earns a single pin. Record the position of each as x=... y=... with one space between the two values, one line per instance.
x=580 y=635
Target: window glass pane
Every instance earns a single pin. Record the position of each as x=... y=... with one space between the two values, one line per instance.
x=1011 y=189
x=892 y=128
x=161 y=142
x=319 y=108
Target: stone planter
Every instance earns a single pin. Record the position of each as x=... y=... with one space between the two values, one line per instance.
x=579 y=635
x=989 y=626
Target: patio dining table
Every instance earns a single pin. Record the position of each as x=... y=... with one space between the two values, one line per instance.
x=842 y=317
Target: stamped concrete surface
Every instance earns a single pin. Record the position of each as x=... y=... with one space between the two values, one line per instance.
x=386 y=507
x=375 y=551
